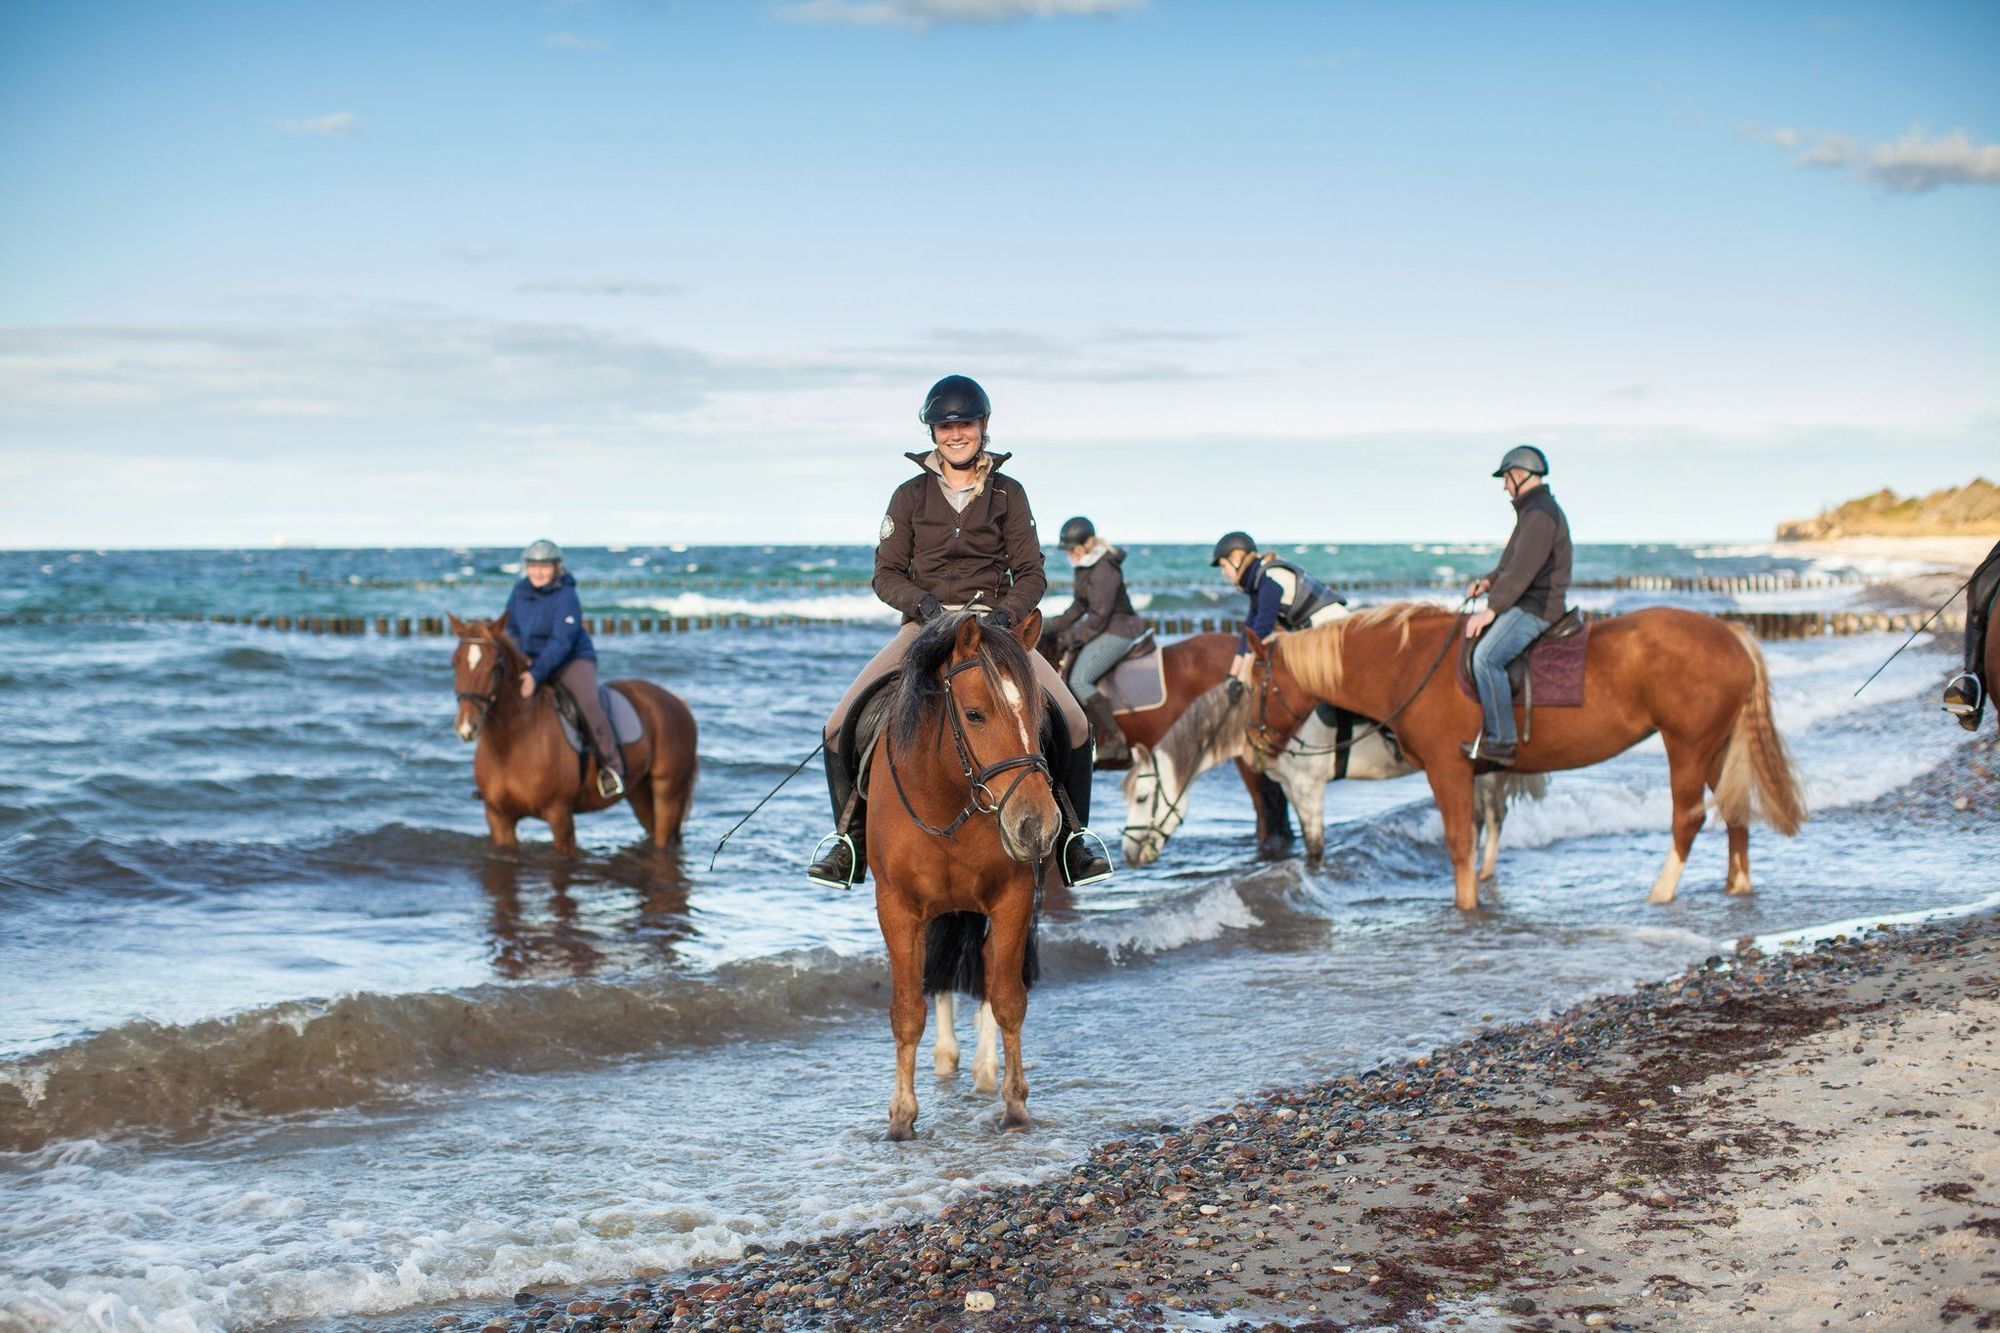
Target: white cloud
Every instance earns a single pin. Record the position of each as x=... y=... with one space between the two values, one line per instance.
x=602 y=287
x=926 y=13
x=1914 y=164
x=334 y=125
x=569 y=41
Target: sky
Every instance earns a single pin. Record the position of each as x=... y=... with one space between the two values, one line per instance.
x=642 y=271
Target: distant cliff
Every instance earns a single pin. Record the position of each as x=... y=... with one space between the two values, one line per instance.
x=1971 y=510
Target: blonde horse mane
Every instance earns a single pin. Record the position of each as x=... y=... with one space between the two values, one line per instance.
x=1316 y=655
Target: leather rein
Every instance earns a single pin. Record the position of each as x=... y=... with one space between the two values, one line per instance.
x=491 y=696
x=979 y=778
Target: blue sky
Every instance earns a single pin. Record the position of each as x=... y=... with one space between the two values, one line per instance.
x=624 y=271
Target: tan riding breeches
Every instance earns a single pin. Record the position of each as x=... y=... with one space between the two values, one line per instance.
x=579 y=677
x=890 y=658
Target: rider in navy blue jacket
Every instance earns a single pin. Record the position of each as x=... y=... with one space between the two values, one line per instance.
x=547 y=624
x=545 y=619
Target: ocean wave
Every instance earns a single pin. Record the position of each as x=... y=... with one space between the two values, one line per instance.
x=831 y=606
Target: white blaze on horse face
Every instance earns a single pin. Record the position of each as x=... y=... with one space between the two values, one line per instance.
x=1012 y=694
x=472 y=656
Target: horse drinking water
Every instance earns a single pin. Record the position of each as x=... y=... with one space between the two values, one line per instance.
x=958 y=852
x=525 y=769
x=1695 y=680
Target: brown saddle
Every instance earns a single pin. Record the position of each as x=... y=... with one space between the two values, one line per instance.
x=1549 y=674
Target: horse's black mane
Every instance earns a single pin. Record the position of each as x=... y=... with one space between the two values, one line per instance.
x=921 y=690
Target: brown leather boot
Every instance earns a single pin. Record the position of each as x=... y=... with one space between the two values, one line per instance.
x=1112 y=751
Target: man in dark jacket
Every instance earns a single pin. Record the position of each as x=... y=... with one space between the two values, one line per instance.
x=1525 y=594
x=957 y=535
x=1097 y=629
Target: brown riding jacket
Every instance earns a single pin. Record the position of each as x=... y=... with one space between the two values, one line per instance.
x=1101 y=604
x=988 y=552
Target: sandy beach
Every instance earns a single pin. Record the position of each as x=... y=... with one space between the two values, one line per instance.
x=1791 y=1139
x=1935 y=566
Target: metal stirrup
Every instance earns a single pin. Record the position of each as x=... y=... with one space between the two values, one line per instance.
x=835 y=838
x=1978 y=695
x=1088 y=838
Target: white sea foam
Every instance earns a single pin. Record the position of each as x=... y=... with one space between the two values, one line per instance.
x=833 y=606
x=1161 y=927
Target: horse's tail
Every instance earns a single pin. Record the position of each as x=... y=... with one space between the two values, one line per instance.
x=1523 y=787
x=1757 y=760
x=955 y=958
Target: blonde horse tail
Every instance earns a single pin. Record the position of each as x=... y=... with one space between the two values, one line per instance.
x=1757 y=760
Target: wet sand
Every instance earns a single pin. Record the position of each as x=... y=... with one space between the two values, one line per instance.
x=1796 y=1140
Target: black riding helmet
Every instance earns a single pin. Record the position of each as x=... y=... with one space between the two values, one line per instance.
x=955 y=398
x=1232 y=541
x=1077 y=531
x=1525 y=457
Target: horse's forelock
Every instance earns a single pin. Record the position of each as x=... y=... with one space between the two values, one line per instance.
x=921 y=689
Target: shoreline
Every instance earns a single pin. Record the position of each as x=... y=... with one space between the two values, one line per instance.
x=1775 y=1138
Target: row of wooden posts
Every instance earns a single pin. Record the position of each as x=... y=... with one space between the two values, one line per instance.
x=1744 y=583
x=1764 y=624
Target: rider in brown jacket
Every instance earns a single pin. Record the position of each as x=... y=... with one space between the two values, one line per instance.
x=957 y=535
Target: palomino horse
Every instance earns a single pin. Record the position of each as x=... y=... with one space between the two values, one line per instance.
x=525 y=769
x=1212 y=731
x=962 y=814
x=1192 y=667
x=1695 y=680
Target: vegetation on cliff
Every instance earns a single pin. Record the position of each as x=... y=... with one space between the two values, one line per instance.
x=1971 y=510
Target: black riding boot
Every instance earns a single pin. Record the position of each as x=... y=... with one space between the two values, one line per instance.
x=845 y=862
x=1112 y=751
x=1081 y=862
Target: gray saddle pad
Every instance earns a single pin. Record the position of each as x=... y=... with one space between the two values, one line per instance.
x=625 y=724
x=1137 y=684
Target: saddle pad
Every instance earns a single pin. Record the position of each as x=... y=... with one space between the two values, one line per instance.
x=1554 y=668
x=1137 y=684
x=624 y=719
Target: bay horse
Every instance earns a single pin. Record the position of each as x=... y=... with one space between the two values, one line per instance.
x=1212 y=730
x=1192 y=667
x=1697 y=681
x=525 y=769
x=961 y=817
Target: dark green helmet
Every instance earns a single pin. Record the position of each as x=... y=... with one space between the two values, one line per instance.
x=1525 y=457
x=955 y=398
x=1232 y=541
x=1077 y=531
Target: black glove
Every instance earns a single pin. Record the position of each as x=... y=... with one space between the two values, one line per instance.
x=1000 y=618
x=929 y=609
x=1234 y=688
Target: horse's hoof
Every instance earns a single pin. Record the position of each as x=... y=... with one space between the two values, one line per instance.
x=1014 y=1118
x=1742 y=890
x=1660 y=897
x=985 y=1082
x=947 y=1068
x=902 y=1133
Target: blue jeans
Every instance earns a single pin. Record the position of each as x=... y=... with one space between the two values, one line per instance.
x=1506 y=639
x=1093 y=660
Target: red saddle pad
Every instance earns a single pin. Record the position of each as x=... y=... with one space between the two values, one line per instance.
x=1554 y=667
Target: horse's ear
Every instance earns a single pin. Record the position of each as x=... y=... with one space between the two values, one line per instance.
x=457 y=625
x=497 y=626
x=1029 y=630
x=968 y=637
x=1142 y=756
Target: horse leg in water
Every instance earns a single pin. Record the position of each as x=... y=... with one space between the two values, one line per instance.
x=1007 y=993
x=1451 y=788
x=904 y=935
x=944 y=1051
x=986 y=1053
x=1687 y=776
x=1489 y=804
x=673 y=787
x=503 y=828
x=562 y=823
x=639 y=795
x=1732 y=802
x=1304 y=785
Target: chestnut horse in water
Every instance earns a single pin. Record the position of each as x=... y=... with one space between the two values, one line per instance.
x=961 y=815
x=1192 y=667
x=1695 y=680
x=525 y=769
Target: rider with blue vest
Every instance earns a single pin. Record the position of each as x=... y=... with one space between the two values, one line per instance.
x=545 y=620
x=1282 y=595
x=1525 y=594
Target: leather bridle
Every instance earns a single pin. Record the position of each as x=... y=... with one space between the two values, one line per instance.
x=487 y=700
x=979 y=778
x=1260 y=730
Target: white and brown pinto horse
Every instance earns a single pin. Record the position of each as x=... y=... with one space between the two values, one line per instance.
x=1698 y=682
x=1211 y=731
